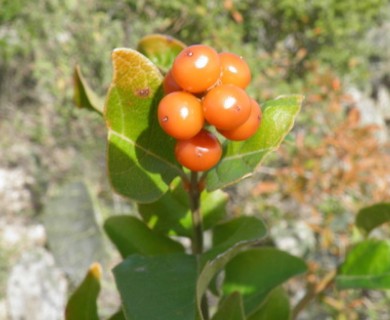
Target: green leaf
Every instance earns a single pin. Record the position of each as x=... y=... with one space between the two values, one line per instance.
x=212 y=267
x=158 y=287
x=74 y=235
x=239 y=233
x=367 y=266
x=230 y=309
x=141 y=160
x=256 y=272
x=276 y=306
x=371 y=217
x=130 y=235
x=171 y=215
x=244 y=230
x=82 y=303
x=160 y=49
x=84 y=96
x=118 y=316
x=241 y=158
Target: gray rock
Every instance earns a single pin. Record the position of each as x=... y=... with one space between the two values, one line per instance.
x=36 y=288
x=294 y=237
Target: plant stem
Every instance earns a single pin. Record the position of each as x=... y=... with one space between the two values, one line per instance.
x=313 y=290
x=197 y=225
x=194 y=194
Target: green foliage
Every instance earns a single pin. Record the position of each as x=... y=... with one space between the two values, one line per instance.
x=256 y=272
x=231 y=308
x=118 y=316
x=138 y=166
x=241 y=158
x=367 y=266
x=371 y=217
x=82 y=303
x=160 y=49
x=158 y=287
x=131 y=235
x=243 y=230
x=84 y=96
x=171 y=214
x=321 y=27
x=276 y=306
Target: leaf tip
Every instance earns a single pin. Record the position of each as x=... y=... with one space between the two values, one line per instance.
x=95 y=270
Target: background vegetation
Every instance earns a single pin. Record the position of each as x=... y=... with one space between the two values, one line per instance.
x=330 y=167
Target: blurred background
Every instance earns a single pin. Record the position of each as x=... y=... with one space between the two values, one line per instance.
x=53 y=187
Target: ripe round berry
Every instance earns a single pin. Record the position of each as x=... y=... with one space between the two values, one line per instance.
x=196 y=68
x=235 y=70
x=169 y=83
x=226 y=106
x=248 y=128
x=180 y=115
x=199 y=153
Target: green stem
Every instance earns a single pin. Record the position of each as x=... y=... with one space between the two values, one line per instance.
x=197 y=225
x=194 y=193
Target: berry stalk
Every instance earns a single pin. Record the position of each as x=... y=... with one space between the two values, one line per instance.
x=197 y=225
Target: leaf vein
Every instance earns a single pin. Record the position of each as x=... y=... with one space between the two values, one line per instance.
x=147 y=151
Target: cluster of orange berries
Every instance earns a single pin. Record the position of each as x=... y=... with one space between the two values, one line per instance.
x=206 y=87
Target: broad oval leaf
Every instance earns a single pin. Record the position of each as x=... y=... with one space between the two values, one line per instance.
x=131 y=235
x=230 y=238
x=256 y=272
x=171 y=214
x=276 y=306
x=240 y=159
x=373 y=216
x=242 y=230
x=210 y=268
x=83 y=95
x=231 y=308
x=141 y=160
x=82 y=303
x=160 y=49
x=366 y=266
x=158 y=287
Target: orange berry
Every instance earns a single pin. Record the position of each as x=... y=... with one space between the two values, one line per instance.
x=180 y=115
x=196 y=68
x=235 y=70
x=199 y=153
x=169 y=83
x=248 y=128
x=226 y=106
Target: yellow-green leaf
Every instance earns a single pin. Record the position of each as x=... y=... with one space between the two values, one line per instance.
x=160 y=49
x=141 y=161
x=366 y=266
